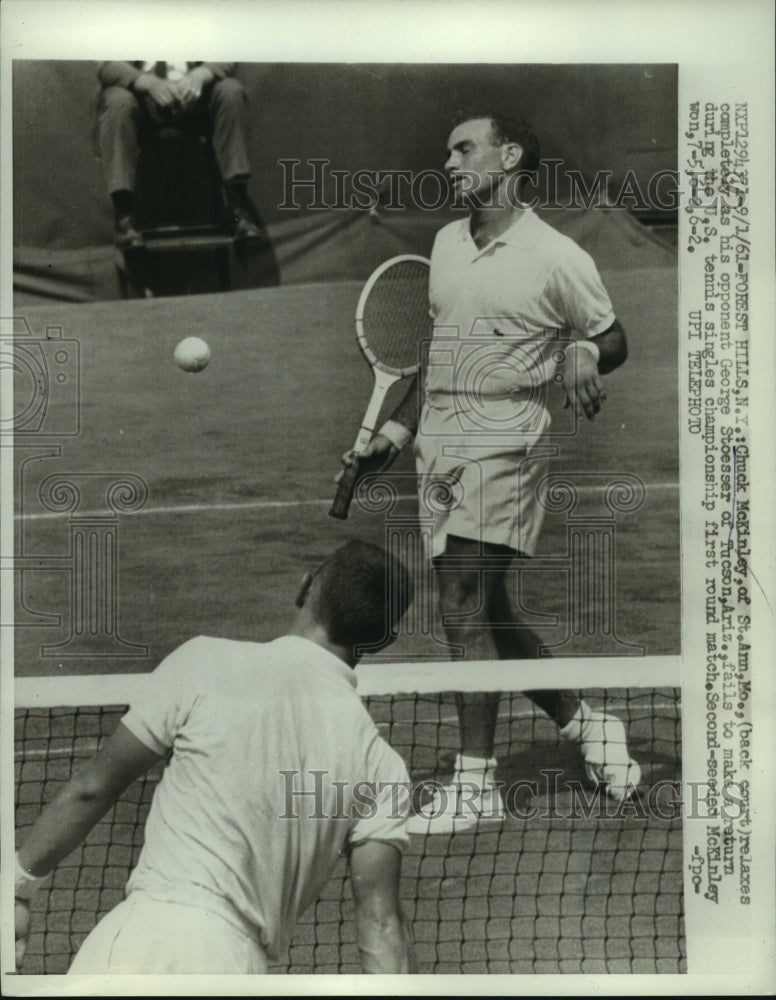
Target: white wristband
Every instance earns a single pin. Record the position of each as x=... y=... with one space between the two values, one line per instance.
x=25 y=885
x=588 y=345
x=396 y=433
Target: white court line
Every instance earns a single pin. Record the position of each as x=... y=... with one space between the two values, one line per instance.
x=205 y=508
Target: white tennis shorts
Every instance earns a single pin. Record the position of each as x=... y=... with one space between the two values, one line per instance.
x=144 y=936
x=479 y=485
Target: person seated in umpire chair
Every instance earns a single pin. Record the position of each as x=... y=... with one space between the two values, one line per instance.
x=204 y=97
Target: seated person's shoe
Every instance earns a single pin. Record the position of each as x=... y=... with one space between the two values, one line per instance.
x=128 y=236
x=243 y=226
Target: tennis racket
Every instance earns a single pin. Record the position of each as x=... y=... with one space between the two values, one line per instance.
x=392 y=321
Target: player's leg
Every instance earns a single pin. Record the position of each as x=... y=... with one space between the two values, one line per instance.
x=466 y=575
x=601 y=735
x=478 y=614
x=470 y=579
x=515 y=642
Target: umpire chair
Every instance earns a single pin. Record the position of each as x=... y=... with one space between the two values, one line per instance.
x=182 y=212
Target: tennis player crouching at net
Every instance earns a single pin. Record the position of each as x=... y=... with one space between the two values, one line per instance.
x=234 y=852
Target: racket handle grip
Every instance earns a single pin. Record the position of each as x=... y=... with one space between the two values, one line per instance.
x=347 y=485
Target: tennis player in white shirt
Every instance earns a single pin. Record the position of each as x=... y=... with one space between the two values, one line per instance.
x=516 y=307
x=242 y=834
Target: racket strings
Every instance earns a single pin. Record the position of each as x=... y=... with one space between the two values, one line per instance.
x=395 y=319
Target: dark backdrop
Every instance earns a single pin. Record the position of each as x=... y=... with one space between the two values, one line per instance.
x=384 y=116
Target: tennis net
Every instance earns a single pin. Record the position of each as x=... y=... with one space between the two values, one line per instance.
x=570 y=881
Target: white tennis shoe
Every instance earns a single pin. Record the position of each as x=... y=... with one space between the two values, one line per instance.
x=469 y=802
x=604 y=748
x=473 y=799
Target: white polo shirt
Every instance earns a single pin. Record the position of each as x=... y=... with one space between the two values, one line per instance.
x=502 y=312
x=251 y=726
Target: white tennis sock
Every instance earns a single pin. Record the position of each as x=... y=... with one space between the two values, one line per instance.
x=572 y=731
x=480 y=771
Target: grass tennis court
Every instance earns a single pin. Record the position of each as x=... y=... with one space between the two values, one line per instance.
x=239 y=462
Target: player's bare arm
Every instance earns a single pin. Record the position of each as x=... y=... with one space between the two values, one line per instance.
x=382 y=933
x=582 y=370
x=66 y=820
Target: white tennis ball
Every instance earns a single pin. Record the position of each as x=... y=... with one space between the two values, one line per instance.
x=192 y=354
